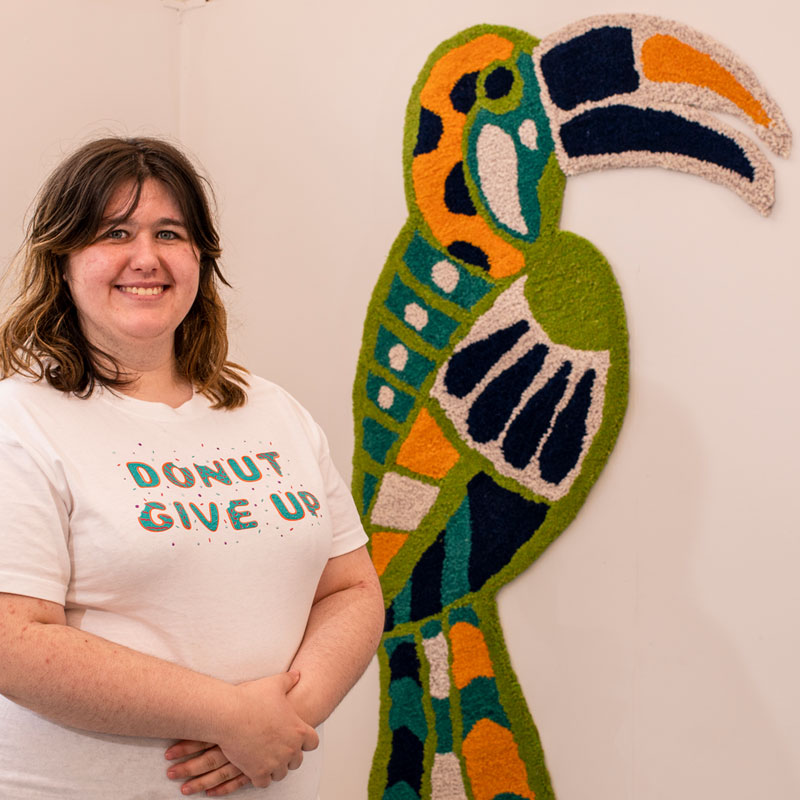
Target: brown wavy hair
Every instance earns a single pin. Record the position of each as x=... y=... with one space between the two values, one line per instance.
x=41 y=335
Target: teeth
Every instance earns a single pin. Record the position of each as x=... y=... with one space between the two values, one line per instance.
x=140 y=290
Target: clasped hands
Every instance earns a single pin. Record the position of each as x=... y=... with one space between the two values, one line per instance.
x=259 y=741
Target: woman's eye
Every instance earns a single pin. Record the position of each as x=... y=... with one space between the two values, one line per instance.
x=168 y=235
x=116 y=233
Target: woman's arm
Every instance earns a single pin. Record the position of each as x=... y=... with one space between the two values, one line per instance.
x=87 y=682
x=341 y=636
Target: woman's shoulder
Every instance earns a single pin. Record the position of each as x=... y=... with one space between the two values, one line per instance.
x=263 y=392
x=25 y=398
x=20 y=389
x=22 y=402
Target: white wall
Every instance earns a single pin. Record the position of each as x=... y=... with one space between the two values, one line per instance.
x=657 y=640
x=71 y=70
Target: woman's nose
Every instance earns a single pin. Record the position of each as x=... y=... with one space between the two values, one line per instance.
x=144 y=253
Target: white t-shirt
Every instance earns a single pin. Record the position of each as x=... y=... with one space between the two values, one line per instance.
x=194 y=535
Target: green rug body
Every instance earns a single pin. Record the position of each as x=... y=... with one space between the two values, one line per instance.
x=493 y=376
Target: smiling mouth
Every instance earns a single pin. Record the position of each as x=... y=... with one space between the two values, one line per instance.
x=148 y=291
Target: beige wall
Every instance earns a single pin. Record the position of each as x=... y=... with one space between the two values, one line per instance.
x=657 y=640
x=72 y=69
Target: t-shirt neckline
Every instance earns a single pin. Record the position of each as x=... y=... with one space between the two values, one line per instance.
x=194 y=406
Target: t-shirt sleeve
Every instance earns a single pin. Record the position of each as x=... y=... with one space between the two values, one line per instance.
x=34 y=549
x=348 y=532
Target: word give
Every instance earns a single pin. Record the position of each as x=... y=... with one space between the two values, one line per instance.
x=155 y=522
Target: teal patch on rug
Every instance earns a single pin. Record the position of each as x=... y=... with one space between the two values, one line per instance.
x=493 y=377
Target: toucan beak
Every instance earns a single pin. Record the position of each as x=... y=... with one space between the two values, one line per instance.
x=628 y=90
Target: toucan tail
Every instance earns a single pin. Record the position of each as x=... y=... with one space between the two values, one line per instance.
x=454 y=724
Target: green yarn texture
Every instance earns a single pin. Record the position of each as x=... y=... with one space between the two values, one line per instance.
x=490 y=389
x=572 y=294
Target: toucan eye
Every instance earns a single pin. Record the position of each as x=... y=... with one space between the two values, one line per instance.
x=463 y=94
x=498 y=83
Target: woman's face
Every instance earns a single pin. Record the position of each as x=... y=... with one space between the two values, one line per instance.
x=133 y=286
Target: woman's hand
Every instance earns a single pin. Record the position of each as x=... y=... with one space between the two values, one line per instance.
x=265 y=737
x=208 y=769
x=261 y=741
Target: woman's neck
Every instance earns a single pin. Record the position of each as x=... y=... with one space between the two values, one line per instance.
x=160 y=387
x=154 y=379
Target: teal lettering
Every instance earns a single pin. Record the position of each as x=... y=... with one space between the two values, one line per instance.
x=149 y=524
x=144 y=475
x=169 y=473
x=273 y=460
x=298 y=512
x=212 y=523
x=236 y=516
x=206 y=473
x=254 y=475
x=185 y=521
x=310 y=502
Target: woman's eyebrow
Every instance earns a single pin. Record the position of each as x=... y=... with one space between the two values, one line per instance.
x=114 y=220
x=171 y=221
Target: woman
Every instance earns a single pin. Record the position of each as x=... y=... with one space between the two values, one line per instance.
x=179 y=559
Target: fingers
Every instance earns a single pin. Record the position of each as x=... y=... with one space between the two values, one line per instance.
x=217 y=783
x=186 y=747
x=206 y=762
x=296 y=761
x=311 y=740
x=228 y=786
x=210 y=772
x=280 y=773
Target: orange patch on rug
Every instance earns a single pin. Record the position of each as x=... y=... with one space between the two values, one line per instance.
x=470 y=654
x=385 y=546
x=426 y=449
x=668 y=60
x=493 y=763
